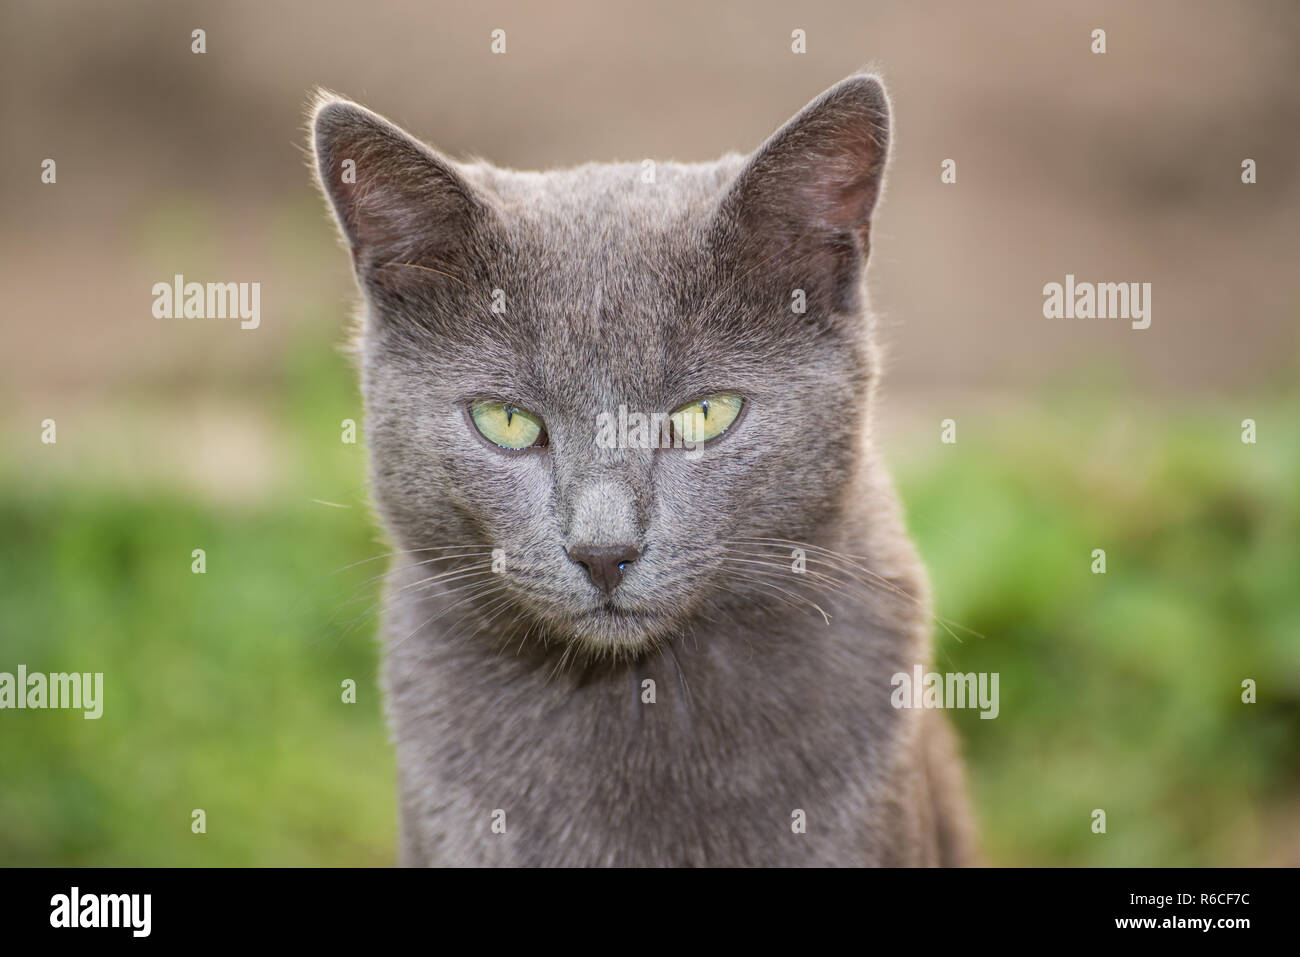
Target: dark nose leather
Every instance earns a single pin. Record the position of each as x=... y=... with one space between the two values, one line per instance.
x=604 y=563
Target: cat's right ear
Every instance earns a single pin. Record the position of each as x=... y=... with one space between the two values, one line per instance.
x=398 y=203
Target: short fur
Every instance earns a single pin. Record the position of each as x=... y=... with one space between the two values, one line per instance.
x=523 y=690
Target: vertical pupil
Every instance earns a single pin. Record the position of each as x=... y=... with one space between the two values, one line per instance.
x=510 y=414
x=705 y=406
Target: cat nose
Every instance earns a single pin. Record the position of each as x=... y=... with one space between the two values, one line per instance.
x=604 y=563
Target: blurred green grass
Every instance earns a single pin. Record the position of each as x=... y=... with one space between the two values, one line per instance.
x=223 y=691
x=1122 y=691
x=1118 y=691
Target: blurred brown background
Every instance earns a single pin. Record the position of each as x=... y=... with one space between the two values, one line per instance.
x=1123 y=166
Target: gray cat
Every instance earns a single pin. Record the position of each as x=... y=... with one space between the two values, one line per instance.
x=609 y=644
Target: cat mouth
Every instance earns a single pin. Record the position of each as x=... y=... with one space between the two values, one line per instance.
x=609 y=623
x=608 y=609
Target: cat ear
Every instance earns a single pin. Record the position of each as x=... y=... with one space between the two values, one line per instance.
x=804 y=200
x=397 y=202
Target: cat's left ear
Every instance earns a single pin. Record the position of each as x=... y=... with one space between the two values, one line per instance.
x=804 y=200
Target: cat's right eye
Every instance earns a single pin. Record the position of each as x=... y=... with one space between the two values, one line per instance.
x=506 y=425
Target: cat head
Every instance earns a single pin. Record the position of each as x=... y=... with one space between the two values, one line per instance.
x=613 y=376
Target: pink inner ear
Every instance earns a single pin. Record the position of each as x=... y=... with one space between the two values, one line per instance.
x=845 y=181
x=374 y=218
x=802 y=206
x=407 y=208
x=374 y=204
x=818 y=178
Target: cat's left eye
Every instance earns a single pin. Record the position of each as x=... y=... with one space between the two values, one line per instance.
x=707 y=418
x=506 y=425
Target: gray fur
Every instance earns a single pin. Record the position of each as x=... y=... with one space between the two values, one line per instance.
x=519 y=690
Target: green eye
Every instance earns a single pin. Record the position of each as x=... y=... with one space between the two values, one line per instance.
x=707 y=418
x=507 y=425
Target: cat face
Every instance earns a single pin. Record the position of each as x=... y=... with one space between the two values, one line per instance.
x=614 y=380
